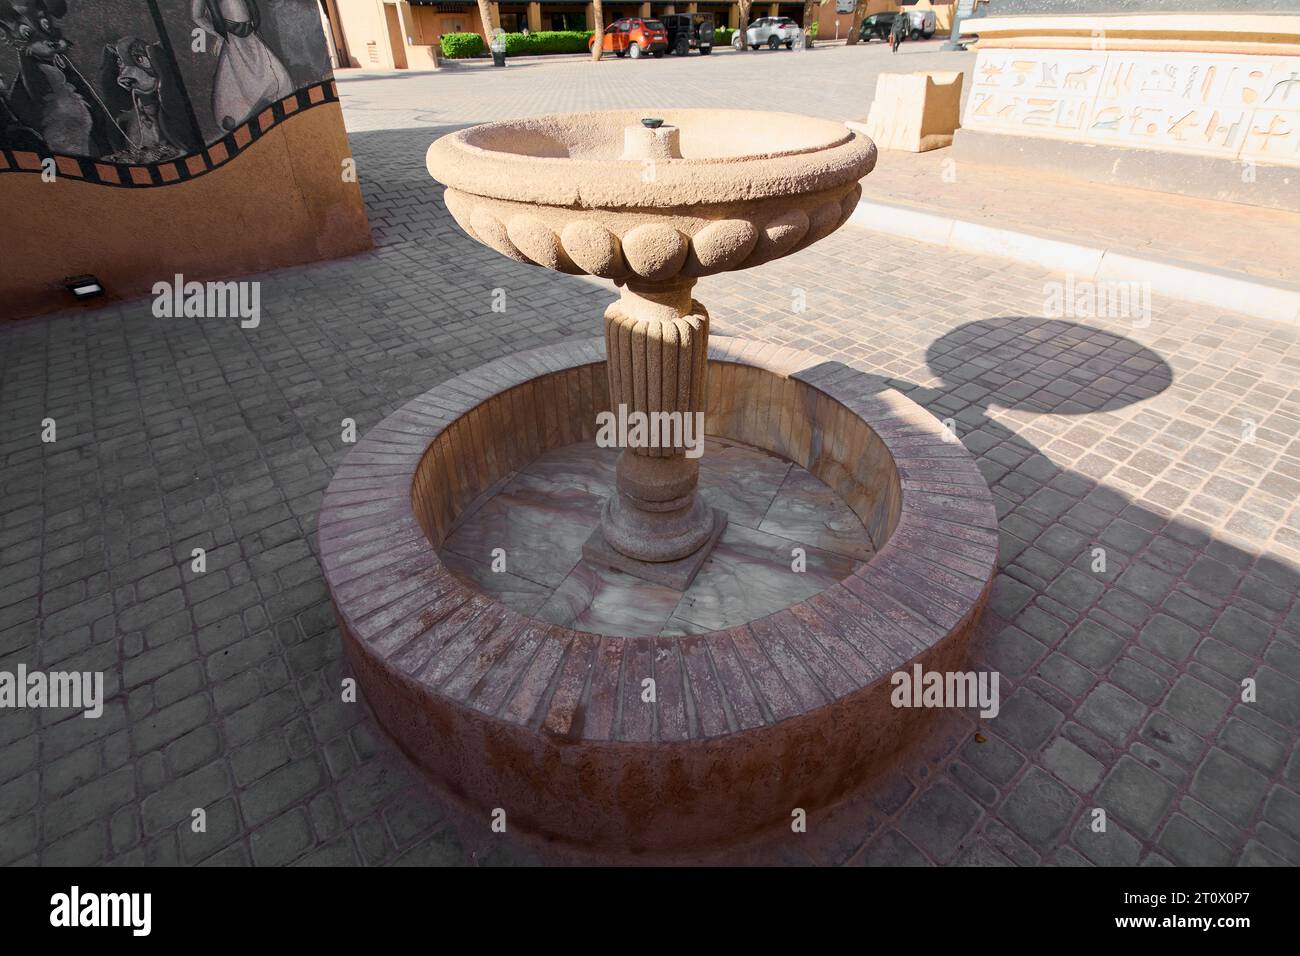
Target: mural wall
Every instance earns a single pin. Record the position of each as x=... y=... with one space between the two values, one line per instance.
x=202 y=114
x=142 y=81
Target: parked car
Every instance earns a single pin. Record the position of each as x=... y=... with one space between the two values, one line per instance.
x=920 y=25
x=876 y=26
x=634 y=37
x=688 y=31
x=772 y=32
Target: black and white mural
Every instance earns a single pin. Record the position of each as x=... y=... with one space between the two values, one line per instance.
x=147 y=81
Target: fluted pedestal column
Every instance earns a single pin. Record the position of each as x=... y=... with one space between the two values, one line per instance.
x=656 y=526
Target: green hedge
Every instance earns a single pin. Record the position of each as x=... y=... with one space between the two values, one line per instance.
x=457 y=46
x=547 y=41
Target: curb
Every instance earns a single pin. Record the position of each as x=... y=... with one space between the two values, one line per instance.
x=1235 y=291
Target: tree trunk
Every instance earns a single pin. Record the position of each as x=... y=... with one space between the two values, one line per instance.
x=743 y=25
x=598 y=37
x=810 y=11
x=859 y=14
x=485 y=14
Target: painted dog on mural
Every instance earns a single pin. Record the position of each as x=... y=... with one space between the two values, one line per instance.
x=49 y=95
x=148 y=109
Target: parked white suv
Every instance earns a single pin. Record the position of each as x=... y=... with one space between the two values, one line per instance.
x=771 y=32
x=920 y=23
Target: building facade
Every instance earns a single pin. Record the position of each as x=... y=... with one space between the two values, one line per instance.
x=404 y=34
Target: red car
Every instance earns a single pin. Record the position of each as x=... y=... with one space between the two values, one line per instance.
x=634 y=37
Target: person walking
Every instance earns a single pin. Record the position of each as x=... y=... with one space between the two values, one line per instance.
x=897 y=31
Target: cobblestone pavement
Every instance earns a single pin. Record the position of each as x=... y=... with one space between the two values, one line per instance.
x=1171 y=445
x=834 y=81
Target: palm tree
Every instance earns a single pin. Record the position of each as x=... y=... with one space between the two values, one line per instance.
x=598 y=36
x=485 y=13
x=810 y=18
x=742 y=28
x=859 y=14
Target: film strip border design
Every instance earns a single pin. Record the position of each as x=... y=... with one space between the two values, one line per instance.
x=183 y=168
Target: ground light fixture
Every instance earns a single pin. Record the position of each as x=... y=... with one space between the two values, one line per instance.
x=84 y=287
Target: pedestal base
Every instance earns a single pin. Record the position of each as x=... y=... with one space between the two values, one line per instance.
x=674 y=574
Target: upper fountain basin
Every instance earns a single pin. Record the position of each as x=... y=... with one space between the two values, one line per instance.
x=709 y=191
x=576 y=159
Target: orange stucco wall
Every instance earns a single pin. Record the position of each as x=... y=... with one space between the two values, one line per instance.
x=827 y=18
x=281 y=201
x=370 y=44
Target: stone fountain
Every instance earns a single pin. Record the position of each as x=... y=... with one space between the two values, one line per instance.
x=653 y=203
x=550 y=724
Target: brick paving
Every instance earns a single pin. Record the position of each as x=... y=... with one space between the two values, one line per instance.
x=1171 y=445
x=834 y=81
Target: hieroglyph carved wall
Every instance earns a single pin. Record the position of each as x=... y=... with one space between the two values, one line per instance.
x=1224 y=105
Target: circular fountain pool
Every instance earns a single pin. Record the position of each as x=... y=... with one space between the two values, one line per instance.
x=742 y=724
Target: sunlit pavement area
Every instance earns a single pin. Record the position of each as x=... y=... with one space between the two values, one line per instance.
x=1165 y=444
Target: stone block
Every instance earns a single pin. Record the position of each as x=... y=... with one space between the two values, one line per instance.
x=913 y=111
